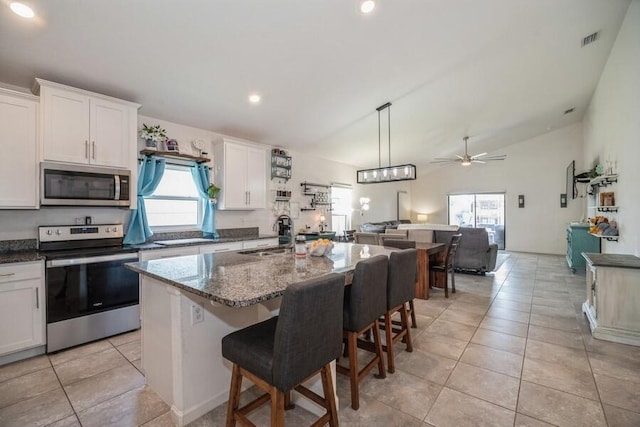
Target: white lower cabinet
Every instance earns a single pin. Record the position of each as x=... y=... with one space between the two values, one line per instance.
x=220 y=247
x=262 y=243
x=22 y=306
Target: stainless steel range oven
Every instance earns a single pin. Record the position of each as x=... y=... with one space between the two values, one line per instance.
x=90 y=295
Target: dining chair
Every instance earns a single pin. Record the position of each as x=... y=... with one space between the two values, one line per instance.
x=280 y=353
x=448 y=267
x=348 y=235
x=366 y=238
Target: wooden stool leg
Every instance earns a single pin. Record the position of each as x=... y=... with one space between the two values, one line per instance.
x=414 y=324
x=234 y=396
x=329 y=396
x=389 y=335
x=353 y=369
x=288 y=404
x=446 y=284
x=382 y=373
x=277 y=407
x=405 y=325
x=453 y=281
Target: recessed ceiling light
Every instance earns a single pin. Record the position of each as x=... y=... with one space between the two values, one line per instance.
x=22 y=10
x=254 y=98
x=367 y=6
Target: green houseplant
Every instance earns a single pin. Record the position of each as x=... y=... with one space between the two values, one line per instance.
x=212 y=192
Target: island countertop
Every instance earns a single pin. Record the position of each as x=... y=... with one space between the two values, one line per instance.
x=237 y=279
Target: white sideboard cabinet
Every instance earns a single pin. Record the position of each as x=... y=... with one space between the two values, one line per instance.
x=241 y=172
x=613 y=297
x=22 y=306
x=19 y=162
x=84 y=127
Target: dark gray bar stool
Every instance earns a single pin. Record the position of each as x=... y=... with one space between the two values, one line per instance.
x=284 y=351
x=401 y=284
x=364 y=302
x=405 y=244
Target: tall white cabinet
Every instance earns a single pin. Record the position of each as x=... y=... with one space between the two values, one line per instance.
x=22 y=306
x=85 y=127
x=241 y=173
x=19 y=162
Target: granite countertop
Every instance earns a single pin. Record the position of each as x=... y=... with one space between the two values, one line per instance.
x=235 y=279
x=20 y=256
x=612 y=260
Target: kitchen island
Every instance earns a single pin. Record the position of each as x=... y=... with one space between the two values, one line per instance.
x=188 y=304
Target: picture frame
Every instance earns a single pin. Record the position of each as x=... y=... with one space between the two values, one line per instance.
x=172 y=146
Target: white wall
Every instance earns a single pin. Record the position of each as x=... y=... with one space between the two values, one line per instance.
x=535 y=168
x=612 y=129
x=305 y=168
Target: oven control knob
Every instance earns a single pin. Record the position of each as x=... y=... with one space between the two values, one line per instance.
x=49 y=232
x=58 y=232
x=107 y=229
x=114 y=229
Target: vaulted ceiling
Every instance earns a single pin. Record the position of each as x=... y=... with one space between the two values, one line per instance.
x=500 y=71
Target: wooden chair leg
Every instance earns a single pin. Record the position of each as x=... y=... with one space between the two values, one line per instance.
x=405 y=326
x=234 y=396
x=277 y=407
x=329 y=396
x=382 y=373
x=288 y=404
x=353 y=369
x=389 y=344
x=414 y=324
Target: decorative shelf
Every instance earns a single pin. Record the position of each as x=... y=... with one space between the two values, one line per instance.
x=174 y=155
x=609 y=238
x=280 y=166
x=603 y=180
x=604 y=208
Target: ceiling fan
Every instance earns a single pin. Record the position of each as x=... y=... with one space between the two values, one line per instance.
x=466 y=160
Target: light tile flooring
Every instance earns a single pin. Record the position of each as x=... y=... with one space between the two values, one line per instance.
x=508 y=349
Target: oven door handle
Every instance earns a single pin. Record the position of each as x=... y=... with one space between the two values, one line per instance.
x=92 y=260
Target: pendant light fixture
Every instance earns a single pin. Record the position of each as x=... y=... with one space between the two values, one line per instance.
x=389 y=173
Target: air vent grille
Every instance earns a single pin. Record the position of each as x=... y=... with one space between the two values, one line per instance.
x=590 y=39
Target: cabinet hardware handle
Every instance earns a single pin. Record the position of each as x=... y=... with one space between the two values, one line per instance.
x=249 y=192
x=7 y=274
x=93 y=146
x=37 y=299
x=86 y=149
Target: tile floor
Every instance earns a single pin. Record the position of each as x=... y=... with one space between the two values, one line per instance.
x=508 y=349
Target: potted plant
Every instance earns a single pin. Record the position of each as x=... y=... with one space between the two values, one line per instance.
x=152 y=135
x=212 y=192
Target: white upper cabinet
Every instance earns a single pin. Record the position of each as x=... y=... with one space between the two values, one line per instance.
x=18 y=137
x=241 y=173
x=84 y=127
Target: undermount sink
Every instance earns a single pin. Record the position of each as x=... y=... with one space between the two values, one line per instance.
x=266 y=252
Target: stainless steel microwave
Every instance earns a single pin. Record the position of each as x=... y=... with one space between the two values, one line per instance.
x=78 y=185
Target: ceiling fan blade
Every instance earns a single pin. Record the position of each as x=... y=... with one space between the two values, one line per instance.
x=448 y=159
x=460 y=157
x=495 y=157
x=477 y=161
x=444 y=161
x=479 y=155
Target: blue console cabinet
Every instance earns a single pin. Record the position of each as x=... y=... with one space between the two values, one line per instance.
x=579 y=240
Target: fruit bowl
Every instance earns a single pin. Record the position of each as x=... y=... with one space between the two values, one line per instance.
x=320 y=247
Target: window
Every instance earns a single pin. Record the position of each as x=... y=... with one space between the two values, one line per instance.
x=175 y=203
x=480 y=210
x=341 y=205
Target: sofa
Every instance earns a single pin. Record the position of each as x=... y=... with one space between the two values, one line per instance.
x=475 y=253
x=380 y=227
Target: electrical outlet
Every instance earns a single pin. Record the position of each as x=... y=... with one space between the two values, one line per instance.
x=197 y=314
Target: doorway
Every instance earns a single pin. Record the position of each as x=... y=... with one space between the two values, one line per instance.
x=479 y=210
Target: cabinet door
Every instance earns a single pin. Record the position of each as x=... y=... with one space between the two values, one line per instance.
x=235 y=177
x=65 y=126
x=256 y=178
x=18 y=124
x=21 y=308
x=109 y=133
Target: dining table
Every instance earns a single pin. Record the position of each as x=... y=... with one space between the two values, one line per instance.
x=427 y=252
